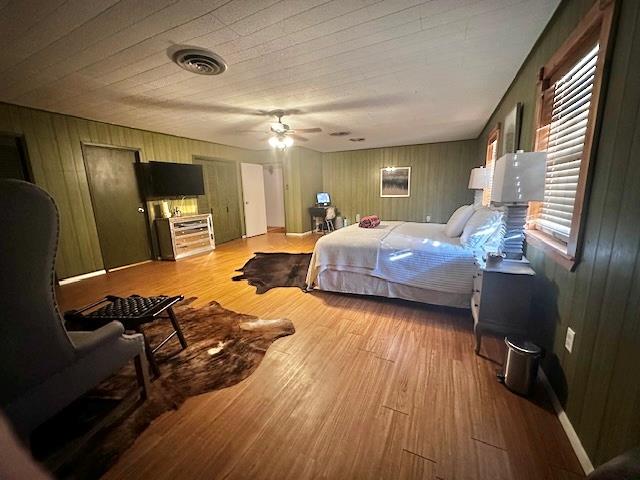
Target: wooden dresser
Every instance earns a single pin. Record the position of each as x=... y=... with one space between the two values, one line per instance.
x=180 y=237
x=501 y=300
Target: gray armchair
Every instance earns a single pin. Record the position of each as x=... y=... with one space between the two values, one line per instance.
x=43 y=367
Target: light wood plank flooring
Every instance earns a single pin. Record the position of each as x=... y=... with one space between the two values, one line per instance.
x=365 y=388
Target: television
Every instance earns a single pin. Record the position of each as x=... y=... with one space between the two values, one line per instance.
x=323 y=198
x=171 y=180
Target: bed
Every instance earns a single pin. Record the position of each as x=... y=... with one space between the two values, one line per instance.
x=413 y=261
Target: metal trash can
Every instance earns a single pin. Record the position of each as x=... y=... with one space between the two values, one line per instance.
x=521 y=365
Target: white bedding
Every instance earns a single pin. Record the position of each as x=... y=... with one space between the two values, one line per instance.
x=415 y=254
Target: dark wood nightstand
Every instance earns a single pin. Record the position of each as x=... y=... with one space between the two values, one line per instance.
x=501 y=300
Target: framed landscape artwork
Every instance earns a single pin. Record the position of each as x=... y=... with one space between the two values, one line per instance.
x=395 y=182
x=512 y=126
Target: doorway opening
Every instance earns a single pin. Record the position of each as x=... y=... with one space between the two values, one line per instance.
x=255 y=210
x=274 y=197
x=14 y=161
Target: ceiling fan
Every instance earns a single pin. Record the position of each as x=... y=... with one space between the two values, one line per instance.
x=282 y=135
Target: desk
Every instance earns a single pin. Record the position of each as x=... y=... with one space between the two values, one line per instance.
x=319 y=211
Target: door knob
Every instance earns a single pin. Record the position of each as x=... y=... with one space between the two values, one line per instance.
x=140 y=209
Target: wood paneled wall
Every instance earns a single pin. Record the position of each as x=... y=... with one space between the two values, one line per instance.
x=439 y=178
x=54 y=146
x=599 y=382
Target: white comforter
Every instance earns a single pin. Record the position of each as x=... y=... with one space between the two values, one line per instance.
x=415 y=254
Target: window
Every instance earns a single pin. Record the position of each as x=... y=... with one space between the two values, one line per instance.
x=489 y=163
x=566 y=119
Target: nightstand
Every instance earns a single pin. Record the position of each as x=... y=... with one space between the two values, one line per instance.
x=501 y=298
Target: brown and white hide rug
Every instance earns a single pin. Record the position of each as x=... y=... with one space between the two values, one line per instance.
x=224 y=347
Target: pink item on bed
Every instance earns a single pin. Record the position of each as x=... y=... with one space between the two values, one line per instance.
x=370 y=221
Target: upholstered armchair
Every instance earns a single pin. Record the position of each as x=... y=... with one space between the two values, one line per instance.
x=43 y=367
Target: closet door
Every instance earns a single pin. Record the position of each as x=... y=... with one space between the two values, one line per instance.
x=117 y=205
x=221 y=198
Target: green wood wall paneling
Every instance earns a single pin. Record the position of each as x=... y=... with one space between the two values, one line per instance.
x=599 y=381
x=54 y=146
x=439 y=177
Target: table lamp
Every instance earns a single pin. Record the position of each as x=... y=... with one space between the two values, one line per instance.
x=478 y=181
x=518 y=178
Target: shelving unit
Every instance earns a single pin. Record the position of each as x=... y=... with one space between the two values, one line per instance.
x=180 y=237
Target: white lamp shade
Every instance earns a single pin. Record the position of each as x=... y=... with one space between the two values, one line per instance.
x=478 y=179
x=519 y=177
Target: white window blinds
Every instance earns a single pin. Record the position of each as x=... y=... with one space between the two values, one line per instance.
x=563 y=137
x=490 y=161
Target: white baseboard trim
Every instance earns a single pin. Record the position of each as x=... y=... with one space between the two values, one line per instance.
x=574 y=440
x=130 y=265
x=292 y=234
x=84 y=276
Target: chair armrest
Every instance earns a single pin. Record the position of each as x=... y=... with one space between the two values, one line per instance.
x=86 y=342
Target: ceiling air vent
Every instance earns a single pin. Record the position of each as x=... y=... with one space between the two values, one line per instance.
x=340 y=134
x=358 y=139
x=200 y=61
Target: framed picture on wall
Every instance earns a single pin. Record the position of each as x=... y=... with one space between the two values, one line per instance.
x=395 y=182
x=512 y=126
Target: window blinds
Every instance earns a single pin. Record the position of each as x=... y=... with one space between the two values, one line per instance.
x=492 y=153
x=567 y=106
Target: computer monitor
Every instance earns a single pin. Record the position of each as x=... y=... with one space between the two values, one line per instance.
x=323 y=198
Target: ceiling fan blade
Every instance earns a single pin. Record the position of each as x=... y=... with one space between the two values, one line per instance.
x=309 y=130
x=381 y=101
x=298 y=137
x=176 y=104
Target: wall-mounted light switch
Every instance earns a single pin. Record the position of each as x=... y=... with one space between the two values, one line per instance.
x=568 y=341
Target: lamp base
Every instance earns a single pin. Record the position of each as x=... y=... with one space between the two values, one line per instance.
x=477 y=198
x=514 y=221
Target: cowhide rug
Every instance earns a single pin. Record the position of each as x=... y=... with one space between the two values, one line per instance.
x=270 y=270
x=224 y=347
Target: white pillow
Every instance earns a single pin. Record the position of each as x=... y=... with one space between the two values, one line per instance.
x=458 y=220
x=482 y=225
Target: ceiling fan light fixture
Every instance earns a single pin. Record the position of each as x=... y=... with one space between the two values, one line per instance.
x=280 y=142
x=279 y=127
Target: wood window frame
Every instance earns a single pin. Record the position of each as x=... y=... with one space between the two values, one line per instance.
x=494 y=136
x=595 y=26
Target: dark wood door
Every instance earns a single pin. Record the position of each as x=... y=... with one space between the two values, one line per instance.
x=13 y=163
x=117 y=205
x=221 y=198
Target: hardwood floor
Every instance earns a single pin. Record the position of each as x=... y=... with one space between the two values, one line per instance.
x=365 y=388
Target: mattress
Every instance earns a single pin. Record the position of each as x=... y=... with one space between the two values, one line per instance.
x=417 y=255
x=361 y=283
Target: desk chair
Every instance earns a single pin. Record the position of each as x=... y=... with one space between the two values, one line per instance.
x=329 y=216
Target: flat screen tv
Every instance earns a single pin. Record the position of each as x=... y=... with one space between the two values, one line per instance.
x=171 y=180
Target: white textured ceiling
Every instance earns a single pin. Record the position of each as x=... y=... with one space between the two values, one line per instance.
x=395 y=71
